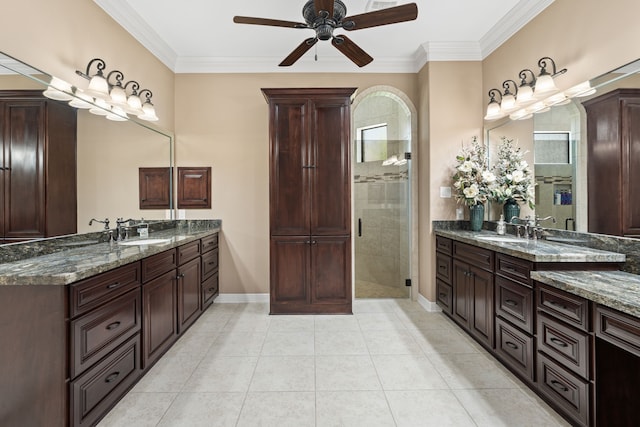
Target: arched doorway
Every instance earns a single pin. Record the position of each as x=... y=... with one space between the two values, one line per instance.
x=384 y=135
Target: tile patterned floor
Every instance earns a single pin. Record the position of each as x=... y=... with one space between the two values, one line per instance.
x=390 y=364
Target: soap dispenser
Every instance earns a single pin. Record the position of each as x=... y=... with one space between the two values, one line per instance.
x=500 y=228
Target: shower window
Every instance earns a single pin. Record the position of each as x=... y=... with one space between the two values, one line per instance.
x=371 y=145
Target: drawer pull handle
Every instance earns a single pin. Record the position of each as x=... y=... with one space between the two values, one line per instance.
x=113 y=285
x=511 y=303
x=558 y=305
x=112 y=326
x=212 y=263
x=559 y=386
x=558 y=342
x=442 y=267
x=212 y=289
x=511 y=345
x=180 y=276
x=442 y=295
x=111 y=378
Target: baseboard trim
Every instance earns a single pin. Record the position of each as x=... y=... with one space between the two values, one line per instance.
x=240 y=298
x=429 y=306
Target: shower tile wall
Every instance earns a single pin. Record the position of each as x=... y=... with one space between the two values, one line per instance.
x=381 y=202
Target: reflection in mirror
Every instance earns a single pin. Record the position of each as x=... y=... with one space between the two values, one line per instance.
x=553 y=138
x=109 y=155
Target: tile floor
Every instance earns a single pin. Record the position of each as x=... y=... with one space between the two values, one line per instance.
x=390 y=364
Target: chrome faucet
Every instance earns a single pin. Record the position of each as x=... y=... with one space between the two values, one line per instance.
x=105 y=222
x=537 y=232
x=121 y=229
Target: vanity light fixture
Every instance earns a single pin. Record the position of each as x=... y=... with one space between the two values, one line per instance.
x=59 y=90
x=109 y=94
x=544 y=82
x=493 y=109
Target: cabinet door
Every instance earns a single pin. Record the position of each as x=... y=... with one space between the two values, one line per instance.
x=160 y=326
x=461 y=293
x=481 y=301
x=330 y=183
x=631 y=167
x=23 y=169
x=188 y=293
x=289 y=272
x=290 y=168
x=331 y=270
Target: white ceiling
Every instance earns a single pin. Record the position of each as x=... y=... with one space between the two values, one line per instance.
x=199 y=36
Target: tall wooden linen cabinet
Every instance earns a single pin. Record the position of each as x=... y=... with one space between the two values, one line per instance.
x=310 y=200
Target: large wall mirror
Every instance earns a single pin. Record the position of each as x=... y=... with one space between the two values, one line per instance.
x=556 y=145
x=109 y=155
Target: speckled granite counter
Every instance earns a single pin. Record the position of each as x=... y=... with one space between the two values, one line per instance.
x=533 y=250
x=614 y=289
x=70 y=263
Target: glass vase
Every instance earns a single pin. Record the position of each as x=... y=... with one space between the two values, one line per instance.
x=476 y=216
x=511 y=208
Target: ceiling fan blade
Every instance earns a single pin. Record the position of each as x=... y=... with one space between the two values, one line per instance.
x=392 y=15
x=298 y=52
x=326 y=5
x=351 y=50
x=269 y=22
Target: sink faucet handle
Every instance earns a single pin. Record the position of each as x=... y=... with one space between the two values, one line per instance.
x=546 y=218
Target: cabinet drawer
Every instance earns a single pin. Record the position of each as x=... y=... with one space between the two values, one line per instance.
x=514 y=302
x=95 y=291
x=210 y=288
x=97 y=390
x=443 y=267
x=513 y=268
x=515 y=348
x=565 y=344
x=564 y=389
x=188 y=252
x=209 y=263
x=99 y=332
x=444 y=245
x=157 y=264
x=444 y=296
x=209 y=243
x=479 y=257
x=564 y=306
x=618 y=328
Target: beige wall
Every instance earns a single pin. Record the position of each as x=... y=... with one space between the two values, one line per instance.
x=62 y=36
x=222 y=122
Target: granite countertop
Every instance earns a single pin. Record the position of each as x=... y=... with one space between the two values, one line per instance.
x=614 y=289
x=72 y=263
x=532 y=250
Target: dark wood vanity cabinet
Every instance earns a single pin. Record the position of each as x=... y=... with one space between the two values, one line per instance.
x=210 y=286
x=189 y=284
x=310 y=200
x=37 y=167
x=613 y=145
x=444 y=273
x=565 y=347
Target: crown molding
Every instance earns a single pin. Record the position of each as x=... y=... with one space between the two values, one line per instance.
x=448 y=51
x=511 y=23
x=130 y=20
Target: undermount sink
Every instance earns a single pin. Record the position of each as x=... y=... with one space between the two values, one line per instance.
x=144 y=242
x=504 y=239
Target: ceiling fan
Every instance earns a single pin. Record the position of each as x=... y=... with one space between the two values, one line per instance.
x=324 y=16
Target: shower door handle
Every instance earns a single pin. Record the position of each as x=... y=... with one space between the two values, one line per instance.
x=359 y=227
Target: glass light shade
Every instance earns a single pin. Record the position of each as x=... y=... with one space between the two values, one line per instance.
x=580 y=90
x=58 y=90
x=117 y=114
x=493 y=111
x=134 y=105
x=81 y=100
x=400 y=162
x=521 y=114
x=545 y=84
x=525 y=94
x=98 y=87
x=508 y=103
x=101 y=108
x=391 y=160
x=118 y=96
x=148 y=113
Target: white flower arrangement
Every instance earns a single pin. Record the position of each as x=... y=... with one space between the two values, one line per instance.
x=513 y=175
x=473 y=181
